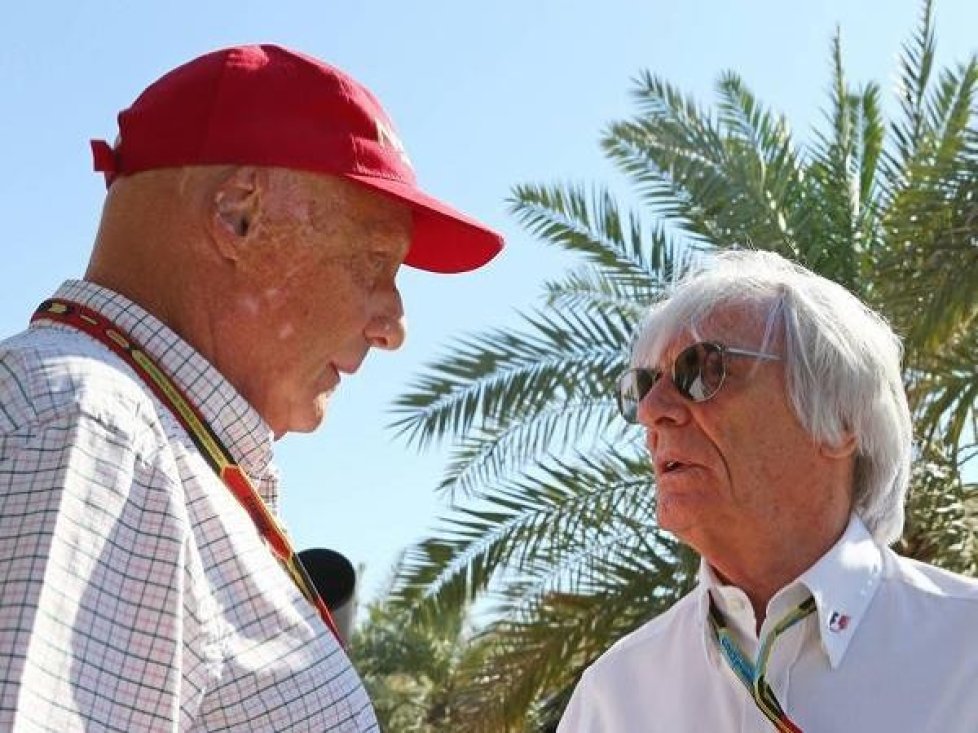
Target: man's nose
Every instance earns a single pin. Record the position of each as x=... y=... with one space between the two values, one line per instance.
x=662 y=405
x=387 y=329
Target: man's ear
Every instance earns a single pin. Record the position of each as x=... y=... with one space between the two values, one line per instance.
x=236 y=209
x=843 y=449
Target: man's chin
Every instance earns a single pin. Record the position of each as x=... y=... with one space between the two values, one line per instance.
x=673 y=519
x=304 y=421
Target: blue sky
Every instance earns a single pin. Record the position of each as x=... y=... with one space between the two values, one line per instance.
x=485 y=96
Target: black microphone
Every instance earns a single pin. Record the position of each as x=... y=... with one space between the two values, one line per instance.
x=336 y=582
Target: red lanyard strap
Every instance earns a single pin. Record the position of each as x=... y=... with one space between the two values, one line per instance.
x=213 y=450
x=753 y=676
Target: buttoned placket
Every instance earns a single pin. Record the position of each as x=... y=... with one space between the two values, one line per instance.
x=739 y=617
x=786 y=650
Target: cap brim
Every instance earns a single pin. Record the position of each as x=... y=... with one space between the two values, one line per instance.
x=444 y=240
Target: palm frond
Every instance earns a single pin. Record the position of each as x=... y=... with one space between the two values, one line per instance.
x=544 y=649
x=944 y=391
x=587 y=289
x=766 y=161
x=916 y=65
x=627 y=294
x=728 y=181
x=485 y=456
x=505 y=373
x=542 y=514
x=588 y=223
x=933 y=220
x=670 y=145
x=871 y=133
x=842 y=190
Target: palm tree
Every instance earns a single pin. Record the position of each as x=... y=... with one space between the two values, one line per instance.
x=553 y=519
x=408 y=667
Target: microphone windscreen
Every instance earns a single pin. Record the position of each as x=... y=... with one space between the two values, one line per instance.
x=331 y=573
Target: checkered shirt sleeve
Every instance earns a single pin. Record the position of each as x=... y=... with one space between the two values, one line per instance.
x=135 y=594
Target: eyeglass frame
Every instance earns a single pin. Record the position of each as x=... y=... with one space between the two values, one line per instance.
x=723 y=350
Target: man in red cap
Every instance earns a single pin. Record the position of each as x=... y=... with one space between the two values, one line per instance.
x=259 y=207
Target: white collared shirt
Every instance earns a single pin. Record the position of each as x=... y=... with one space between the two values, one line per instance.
x=135 y=592
x=892 y=647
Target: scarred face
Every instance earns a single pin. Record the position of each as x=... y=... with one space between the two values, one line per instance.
x=314 y=292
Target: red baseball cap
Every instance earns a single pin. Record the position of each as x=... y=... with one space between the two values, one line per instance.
x=270 y=106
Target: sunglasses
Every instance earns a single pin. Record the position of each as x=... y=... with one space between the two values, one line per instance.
x=698 y=373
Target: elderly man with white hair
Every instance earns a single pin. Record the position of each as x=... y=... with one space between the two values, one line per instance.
x=781 y=441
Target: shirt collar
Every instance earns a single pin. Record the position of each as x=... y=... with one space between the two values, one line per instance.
x=229 y=414
x=707 y=580
x=842 y=582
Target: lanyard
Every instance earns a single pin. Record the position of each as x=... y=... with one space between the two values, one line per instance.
x=203 y=436
x=753 y=675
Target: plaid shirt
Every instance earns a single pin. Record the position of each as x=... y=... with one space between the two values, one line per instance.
x=135 y=592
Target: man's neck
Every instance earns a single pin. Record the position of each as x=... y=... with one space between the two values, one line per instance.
x=763 y=569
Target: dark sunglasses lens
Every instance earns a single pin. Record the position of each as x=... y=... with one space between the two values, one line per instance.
x=632 y=388
x=698 y=371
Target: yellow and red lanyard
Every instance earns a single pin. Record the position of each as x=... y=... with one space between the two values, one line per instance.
x=753 y=675
x=210 y=446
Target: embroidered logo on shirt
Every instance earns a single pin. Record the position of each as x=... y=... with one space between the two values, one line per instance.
x=838 y=622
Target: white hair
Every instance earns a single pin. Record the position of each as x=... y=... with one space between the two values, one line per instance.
x=842 y=364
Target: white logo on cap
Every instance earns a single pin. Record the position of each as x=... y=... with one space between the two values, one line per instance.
x=389 y=139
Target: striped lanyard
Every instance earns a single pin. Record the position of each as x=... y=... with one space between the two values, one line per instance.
x=203 y=436
x=752 y=675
